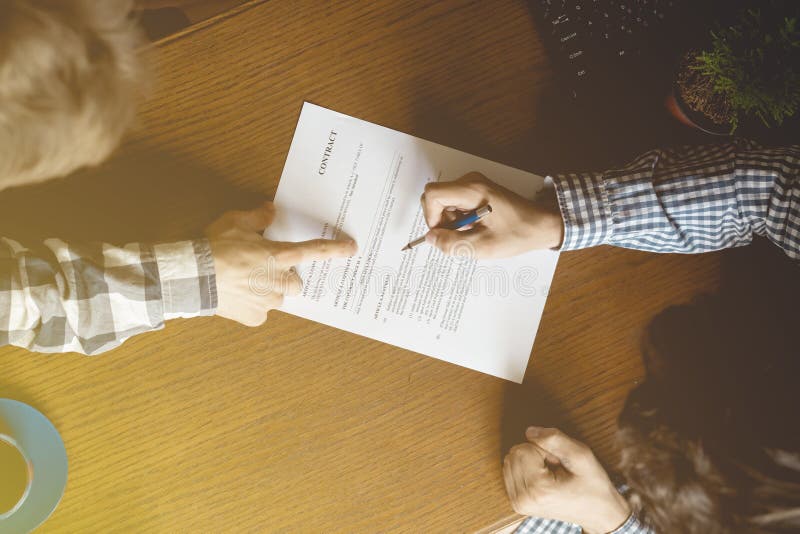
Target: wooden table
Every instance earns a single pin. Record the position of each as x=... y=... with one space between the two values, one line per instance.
x=208 y=426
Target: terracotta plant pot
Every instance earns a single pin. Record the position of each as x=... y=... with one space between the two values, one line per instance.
x=681 y=111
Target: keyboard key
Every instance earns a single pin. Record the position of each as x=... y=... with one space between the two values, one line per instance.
x=590 y=35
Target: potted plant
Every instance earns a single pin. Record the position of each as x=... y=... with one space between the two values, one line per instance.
x=750 y=71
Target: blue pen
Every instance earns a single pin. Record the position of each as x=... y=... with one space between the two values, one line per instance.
x=468 y=218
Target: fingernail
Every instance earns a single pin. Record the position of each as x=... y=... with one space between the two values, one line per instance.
x=430 y=238
x=533 y=431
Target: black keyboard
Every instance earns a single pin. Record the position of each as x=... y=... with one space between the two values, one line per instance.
x=592 y=40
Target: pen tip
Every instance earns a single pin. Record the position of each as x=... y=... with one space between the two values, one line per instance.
x=405 y=248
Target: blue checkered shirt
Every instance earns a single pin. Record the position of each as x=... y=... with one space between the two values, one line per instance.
x=689 y=200
x=537 y=525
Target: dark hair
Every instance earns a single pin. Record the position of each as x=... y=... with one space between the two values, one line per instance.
x=710 y=440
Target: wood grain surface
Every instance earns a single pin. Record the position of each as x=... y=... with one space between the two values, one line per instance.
x=208 y=426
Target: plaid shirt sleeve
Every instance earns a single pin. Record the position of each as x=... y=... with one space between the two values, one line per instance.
x=537 y=525
x=90 y=298
x=688 y=200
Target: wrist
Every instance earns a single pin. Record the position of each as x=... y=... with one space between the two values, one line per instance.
x=546 y=226
x=551 y=228
x=611 y=517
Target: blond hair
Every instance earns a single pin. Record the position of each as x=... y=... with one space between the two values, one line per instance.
x=70 y=80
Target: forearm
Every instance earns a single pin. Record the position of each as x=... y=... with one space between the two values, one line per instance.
x=686 y=201
x=90 y=298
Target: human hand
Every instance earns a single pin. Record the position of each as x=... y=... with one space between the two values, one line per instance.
x=241 y=253
x=556 y=477
x=516 y=225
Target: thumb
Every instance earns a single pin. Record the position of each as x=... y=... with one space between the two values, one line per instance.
x=253 y=221
x=571 y=453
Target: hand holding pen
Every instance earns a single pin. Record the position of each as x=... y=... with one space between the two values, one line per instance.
x=516 y=225
x=468 y=218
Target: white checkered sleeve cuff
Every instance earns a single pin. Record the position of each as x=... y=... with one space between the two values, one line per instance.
x=186 y=274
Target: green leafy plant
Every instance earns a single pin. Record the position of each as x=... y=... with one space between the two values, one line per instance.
x=755 y=66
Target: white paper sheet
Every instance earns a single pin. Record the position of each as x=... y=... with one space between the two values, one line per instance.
x=347 y=176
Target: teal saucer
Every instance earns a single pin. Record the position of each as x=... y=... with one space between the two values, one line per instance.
x=37 y=436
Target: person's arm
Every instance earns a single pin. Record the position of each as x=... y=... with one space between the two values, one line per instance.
x=88 y=298
x=688 y=200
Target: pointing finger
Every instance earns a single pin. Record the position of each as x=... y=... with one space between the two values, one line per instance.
x=316 y=249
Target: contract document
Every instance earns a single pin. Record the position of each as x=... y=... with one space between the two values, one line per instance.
x=345 y=177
